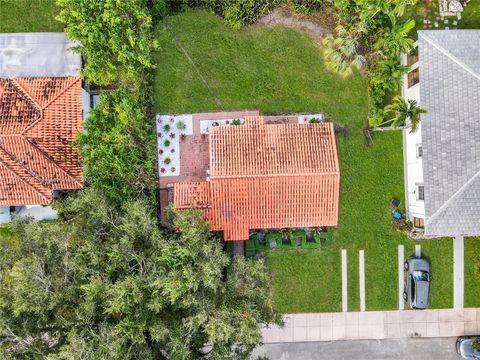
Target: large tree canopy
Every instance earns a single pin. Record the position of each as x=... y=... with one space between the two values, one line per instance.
x=105 y=284
x=115 y=35
x=118 y=147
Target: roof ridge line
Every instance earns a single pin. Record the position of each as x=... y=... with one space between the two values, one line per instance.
x=50 y=102
x=29 y=97
x=53 y=161
x=222 y=177
x=77 y=79
x=449 y=55
x=453 y=197
x=21 y=177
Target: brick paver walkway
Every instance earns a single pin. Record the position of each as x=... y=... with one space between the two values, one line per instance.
x=375 y=325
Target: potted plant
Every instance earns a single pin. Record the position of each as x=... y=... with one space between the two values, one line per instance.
x=181 y=125
x=166 y=143
x=167 y=160
x=160 y=151
x=314 y=121
x=162 y=170
x=172 y=135
x=166 y=128
x=173 y=169
x=173 y=150
x=236 y=122
x=183 y=137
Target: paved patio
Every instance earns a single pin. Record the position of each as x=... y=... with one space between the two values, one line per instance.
x=375 y=325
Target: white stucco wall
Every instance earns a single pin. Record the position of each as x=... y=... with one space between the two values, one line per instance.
x=413 y=165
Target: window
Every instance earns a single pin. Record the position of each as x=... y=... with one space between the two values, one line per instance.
x=420 y=192
x=413 y=77
x=412 y=282
x=418 y=222
x=419 y=150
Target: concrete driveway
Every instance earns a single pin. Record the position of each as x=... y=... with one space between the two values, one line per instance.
x=404 y=349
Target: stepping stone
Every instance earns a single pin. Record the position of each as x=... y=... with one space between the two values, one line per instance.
x=455 y=22
x=261 y=239
x=445 y=21
x=323 y=242
x=298 y=241
x=273 y=244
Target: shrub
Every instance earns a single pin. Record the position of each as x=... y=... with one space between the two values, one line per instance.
x=307 y=6
x=118 y=147
x=115 y=36
x=241 y=12
x=236 y=122
x=315 y=121
x=181 y=125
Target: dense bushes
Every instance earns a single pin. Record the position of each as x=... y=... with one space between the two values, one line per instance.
x=116 y=38
x=117 y=147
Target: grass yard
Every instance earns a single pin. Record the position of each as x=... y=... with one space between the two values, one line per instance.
x=472 y=272
x=281 y=70
x=471 y=16
x=28 y=16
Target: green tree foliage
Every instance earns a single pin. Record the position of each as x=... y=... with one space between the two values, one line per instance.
x=341 y=51
x=115 y=35
x=395 y=40
x=405 y=110
x=109 y=284
x=236 y=13
x=117 y=147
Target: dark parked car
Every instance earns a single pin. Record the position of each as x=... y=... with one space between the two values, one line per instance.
x=417 y=283
x=466 y=349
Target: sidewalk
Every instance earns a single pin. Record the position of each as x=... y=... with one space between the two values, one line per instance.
x=375 y=325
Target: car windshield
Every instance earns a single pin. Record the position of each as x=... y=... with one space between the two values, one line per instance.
x=420 y=275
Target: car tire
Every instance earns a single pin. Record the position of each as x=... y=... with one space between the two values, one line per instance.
x=405 y=295
x=406 y=265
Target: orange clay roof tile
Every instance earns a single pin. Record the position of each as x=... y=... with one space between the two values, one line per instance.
x=267 y=176
x=39 y=119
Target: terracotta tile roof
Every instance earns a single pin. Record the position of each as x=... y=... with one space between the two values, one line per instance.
x=39 y=119
x=267 y=176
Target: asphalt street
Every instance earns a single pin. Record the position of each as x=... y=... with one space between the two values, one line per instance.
x=404 y=349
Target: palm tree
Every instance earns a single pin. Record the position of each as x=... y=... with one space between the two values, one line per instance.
x=341 y=52
x=388 y=73
x=395 y=39
x=405 y=110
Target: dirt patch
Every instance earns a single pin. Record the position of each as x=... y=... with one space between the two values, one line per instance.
x=317 y=25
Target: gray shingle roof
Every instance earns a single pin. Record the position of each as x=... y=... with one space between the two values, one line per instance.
x=450 y=91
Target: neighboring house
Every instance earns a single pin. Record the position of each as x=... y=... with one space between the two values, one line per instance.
x=266 y=176
x=42 y=55
x=40 y=116
x=442 y=158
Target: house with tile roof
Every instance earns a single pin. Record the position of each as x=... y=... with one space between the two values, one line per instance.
x=266 y=176
x=40 y=116
x=442 y=158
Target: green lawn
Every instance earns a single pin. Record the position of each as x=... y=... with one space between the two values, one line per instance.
x=471 y=16
x=281 y=70
x=472 y=272
x=28 y=16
